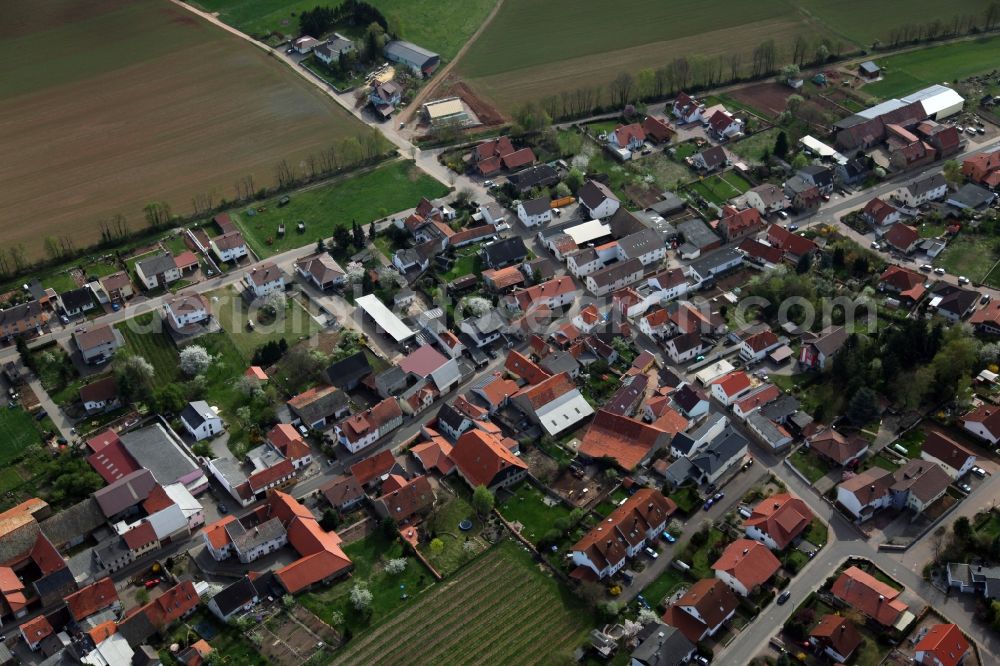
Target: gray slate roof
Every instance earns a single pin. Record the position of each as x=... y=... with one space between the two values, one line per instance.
x=196 y=413
x=155 y=450
x=125 y=492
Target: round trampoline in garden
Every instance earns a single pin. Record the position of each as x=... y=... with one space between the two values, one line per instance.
x=465 y=525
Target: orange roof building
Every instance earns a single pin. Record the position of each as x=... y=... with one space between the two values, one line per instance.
x=703 y=609
x=483 y=460
x=625 y=439
x=604 y=550
x=837 y=635
x=875 y=599
x=745 y=565
x=777 y=520
x=93 y=599
x=35 y=631
x=942 y=645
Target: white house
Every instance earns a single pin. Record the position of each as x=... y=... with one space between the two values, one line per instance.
x=931 y=187
x=157 y=271
x=264 y=279
x=624 y=534
x=685 y=347
x=363 y=429
x=627 y=137
x=614 y=277
x=484 y=329
x=647 y=246
x=583 y=262
x=745 y=566
x=954 y=458
x=535 y=211
x=767 y=198
x=229 y=246
x=984 y=423
x=201 y=421
x=185 y=310
x=754 y=348
x=669 y=284
x=866 y=493
x=598 y=200
x=731 y=387
x=687 y=109
x=322 y=270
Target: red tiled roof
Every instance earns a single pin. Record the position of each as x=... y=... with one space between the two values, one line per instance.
x=749 y=562
x=141 y=535
x=98 y=442
x=472 y=234
x=788 y=242
x=157 y=500
x=112 y=461
x=489 y=166
x=988 y=415
x=877 y=210
x=757 y=250
x=518 y=158
x=103 y=631
x=713 y=600
x=657 y=129
x=266 y=477
x=521 y=366
x=547 y=390
x=499 y=390
x=373 y=467
x=502 y=278
x=186 y=259
x=171 y=605
x=905 y=282
x=626 y=440
x=216 y=532
x=408 y=499
x=102 y=390
x=286 y=439
x=498 y=147
x=422 y=361
x=342 y=490
x=480 y=457
x=736 y=222
x=608 y=541
x=901 y=236
x=36 y=629
x=558 y=286
x=434 y=454
x=91 y=599
x=625 y=133
x=734 y=383
x=839 y=633
x=256 y=372
x=761 y=341
x=946 y=642
x=988 y=315
x=782 y=517
x=869 y=595
x=762 y=396
x=835 y=446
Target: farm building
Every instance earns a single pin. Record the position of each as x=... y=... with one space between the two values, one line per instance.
x=420 y=60
x=383 y=317
x=869 y=70
x=448 y=111
x=938 y=101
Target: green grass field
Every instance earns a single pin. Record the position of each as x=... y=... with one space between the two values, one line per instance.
x=144 y=337
x=366 y=197
x=908 y=72
x=527 y=507
x=439 y=25
x=812 y=466
x=753 y=147
x=18 y=431
x=233 y=312
x=499 y=608
x=971 y=256
x=445 y=522
x=721 y=187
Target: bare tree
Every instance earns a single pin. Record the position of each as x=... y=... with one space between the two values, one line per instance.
x=157 y=214
x=799 y=50
x=661 y=77
x=4 y=262
x=680 y=70
x=735 y=65
x=992 y=15
x=283 y=174
x=52 y=247
x=17 y=255
x=119 y=226
x=621 y=89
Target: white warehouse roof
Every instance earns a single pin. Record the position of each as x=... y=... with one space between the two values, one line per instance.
x=588 y=231
x=937 y=98
x=383 y=316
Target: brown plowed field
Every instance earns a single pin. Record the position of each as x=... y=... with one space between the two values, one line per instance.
x=106 y=106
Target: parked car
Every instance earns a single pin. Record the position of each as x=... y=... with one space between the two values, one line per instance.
x=985 y=299
x=708 y=504
x=652 y=553
x=152 y=582
x=668 y=537
x=41 y=414
x=222 y=508
x=927 y=268
x=793 y=227
x=783 y=597
x=965 y=487
x=939 y=271
x=979 y=471
x=748 y=464
x=718 y=496
x=783 y=215
x=963 y=280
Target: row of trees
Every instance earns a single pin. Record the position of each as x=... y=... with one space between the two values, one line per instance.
x=957 y=25
x=319 y=21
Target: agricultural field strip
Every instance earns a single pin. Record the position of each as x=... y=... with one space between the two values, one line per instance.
x=420 y=616
x=543 y=619
x=415 y=624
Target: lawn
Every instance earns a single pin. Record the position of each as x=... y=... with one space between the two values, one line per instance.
x=687 y=499
x=18 y=431
x=811 y=465
x=369 y=556
x=229 y=645
x=667 y=583
x=913 y=442
x=174 y=244
x=969 y=255
x=700 y=558
x=444 y=521
x=467 y=262
x=988 y=526
x=439 y=25
x=210 y=107
x=363 y=198
x=880 y=460
x=144 y=336
x=908 y=72
x=55 y=370
x=60 y=282
x=754 y=146
x=722 y=187
x=817 y=533
x=527 y=506
x=232 y=311
x=502 y=607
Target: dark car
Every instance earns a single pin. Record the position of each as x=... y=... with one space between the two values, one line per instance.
x=41 y=414
x=784 y=596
